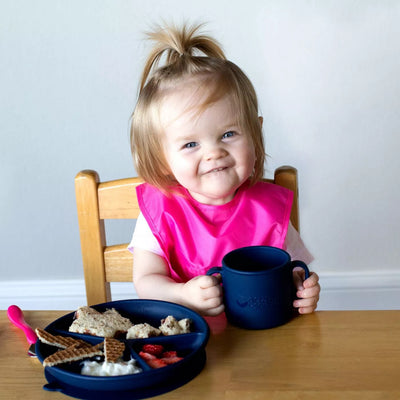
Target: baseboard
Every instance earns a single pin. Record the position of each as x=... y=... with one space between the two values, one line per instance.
x=339 y=291
x=54 y=294
x=373 y=290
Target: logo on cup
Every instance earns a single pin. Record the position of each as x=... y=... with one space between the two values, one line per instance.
x=256 y=302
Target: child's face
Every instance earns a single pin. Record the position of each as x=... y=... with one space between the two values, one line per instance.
x=208 y=153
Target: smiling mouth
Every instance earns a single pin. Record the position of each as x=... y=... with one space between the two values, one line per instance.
x=216 y=170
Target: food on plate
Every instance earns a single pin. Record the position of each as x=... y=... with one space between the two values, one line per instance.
x=92 y=322
x=71 y=353
x=96 y=368
x=154 y=349
x=142 y=331
x=113 y=364
x=59 y=341
x=155 y=356
x=77 y=349
x=171 y=326
x=72 y=349
x=111 y=324
x=113 y=350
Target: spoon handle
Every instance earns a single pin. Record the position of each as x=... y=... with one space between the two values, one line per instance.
x=16 y=316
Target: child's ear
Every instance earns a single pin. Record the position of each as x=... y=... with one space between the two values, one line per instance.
x=261 y=119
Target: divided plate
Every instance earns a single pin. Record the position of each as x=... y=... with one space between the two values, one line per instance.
x=67 y=379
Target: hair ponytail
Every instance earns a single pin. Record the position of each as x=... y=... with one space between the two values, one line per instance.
x=181 y=49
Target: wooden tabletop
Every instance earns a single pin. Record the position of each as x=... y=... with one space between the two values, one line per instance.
x=326 y=355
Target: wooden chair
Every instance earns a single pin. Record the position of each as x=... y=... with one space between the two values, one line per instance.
x=98 y=201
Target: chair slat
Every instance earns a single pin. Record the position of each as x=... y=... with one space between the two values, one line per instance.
x=117 y=199
x=118 y=263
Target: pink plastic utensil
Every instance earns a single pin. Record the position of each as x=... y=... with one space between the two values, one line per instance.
x=16 y=316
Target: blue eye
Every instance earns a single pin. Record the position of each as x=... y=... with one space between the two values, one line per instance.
x=228 y=134
x=190 y=145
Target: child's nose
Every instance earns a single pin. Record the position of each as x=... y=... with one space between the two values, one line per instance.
x=215 y=152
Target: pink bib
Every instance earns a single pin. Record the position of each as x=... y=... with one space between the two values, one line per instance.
x=196 y=236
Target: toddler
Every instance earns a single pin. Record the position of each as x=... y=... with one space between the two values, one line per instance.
x=196 y=139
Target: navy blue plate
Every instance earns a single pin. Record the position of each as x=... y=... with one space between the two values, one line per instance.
x=67 y=379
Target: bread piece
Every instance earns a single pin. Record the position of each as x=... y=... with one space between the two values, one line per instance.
x=107 y=324
x=171 y=326
x=185 y=325
x=142 y=331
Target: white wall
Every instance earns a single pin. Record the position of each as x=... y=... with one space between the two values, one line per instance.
x=327 y=76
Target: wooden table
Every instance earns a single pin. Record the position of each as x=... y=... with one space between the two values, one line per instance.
x=326 y=355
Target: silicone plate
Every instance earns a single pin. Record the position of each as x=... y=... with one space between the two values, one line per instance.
x=67 y=379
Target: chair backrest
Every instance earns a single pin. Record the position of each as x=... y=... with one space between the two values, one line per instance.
x=98 y=201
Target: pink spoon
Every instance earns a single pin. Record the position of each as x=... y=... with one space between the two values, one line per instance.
x=16 y=316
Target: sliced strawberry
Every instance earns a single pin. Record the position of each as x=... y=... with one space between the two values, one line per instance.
x=147 y=356
x=156 y=357
x=155 y=349
x=171 y=360
x=168 y=354
x=156 y=363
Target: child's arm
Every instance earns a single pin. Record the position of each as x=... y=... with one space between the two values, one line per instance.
x=152 y=281
x=307 y=291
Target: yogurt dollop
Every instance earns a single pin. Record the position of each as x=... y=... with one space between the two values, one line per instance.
x=95 y=368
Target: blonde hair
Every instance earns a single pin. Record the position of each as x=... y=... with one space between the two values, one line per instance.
x=187 y=53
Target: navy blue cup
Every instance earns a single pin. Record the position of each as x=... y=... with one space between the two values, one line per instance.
x=258 y=286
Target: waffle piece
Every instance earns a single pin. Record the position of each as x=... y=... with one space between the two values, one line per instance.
x=72 y=353
x=92 y=322
x=59 y=341
x=113 y=349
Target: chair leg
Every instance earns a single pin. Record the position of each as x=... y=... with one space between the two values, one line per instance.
x=92 y=235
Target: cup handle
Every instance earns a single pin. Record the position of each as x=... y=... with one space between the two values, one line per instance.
x=301 y=264
x=214 y=270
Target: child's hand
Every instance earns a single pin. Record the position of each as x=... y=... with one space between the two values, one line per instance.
x=204 y=294
x=307 y=291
